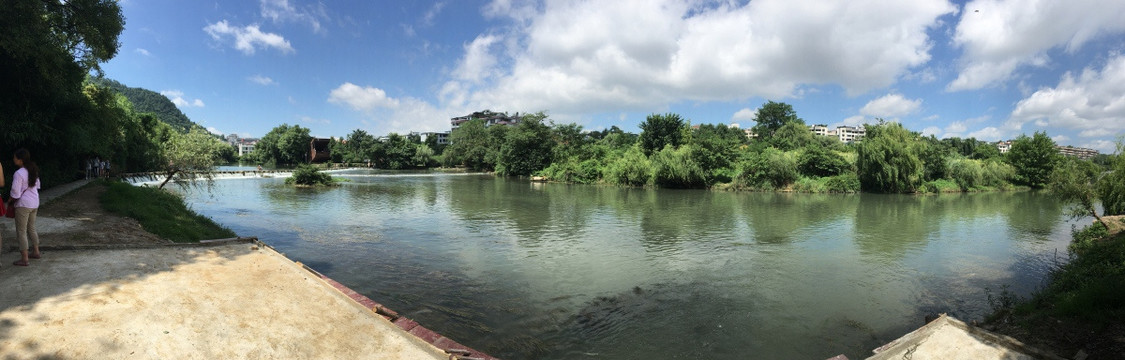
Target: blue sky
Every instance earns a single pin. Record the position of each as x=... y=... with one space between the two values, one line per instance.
x=990 y=69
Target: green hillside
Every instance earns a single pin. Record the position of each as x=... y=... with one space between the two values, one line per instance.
x=148 y=101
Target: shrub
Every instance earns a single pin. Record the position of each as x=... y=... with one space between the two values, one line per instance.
x=940 y=186
x=967 y=173
x=818 y=161
x=676 y=168
x=632 y=168
x=997 y=173
x=809 y=185
x=573 y=171
x=847 y=183
x=308 y=175
x=771 y=167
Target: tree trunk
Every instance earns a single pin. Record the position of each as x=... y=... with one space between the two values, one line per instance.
x=1099 y=218
x=173 y=173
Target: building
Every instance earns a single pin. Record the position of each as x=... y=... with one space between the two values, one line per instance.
x=848 y=134
x=490 y=118
x=1004 y=146
x=1081 y=153
x=318 y=150
x=822 y=130
x=442 y=137
x=246 y=146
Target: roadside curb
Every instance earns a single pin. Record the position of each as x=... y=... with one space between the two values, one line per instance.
x=456 y=350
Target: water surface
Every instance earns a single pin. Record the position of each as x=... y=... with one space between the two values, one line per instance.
x=555 y=271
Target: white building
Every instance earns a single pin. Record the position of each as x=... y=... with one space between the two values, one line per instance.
x=849 y=134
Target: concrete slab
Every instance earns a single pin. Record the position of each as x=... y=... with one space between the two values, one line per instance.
x=949 y=338
x=227 y=301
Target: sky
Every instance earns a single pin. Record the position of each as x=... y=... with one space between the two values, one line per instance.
x=989 y=69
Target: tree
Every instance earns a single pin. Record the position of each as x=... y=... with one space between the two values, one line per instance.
x=1111 y=187
x=821 y=162
x=284 y=144
x=46 y=52
x=469 y=146
x=1074 y=181
x=658 y=131
x=526 y=148
x=1034 y=158
x=191 y=152
x=889 y=159
x=791 y=136
x=772 y=116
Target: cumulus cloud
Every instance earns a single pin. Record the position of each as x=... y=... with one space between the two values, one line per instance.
x=891 y=106
x=281 y=11
x=142 y=52
x=1092 y=102
x=261 y=80
x=247 y=38
x=365 y=98
x=999 y=36
x=177 y=98
x=1102 y=146
x=988 y=134
x=931 y=131
x=213 y=130
x=432 y=13
x=582 y=57
x=745 y=114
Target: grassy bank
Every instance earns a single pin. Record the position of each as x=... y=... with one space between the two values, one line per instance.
x=161 y=213
x=1082 y=306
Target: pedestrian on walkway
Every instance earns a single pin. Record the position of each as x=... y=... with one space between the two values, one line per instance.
x=2 y=205
x=25 y=198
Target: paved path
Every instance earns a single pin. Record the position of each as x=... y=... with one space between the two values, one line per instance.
x=233 y=301
x=45 y=196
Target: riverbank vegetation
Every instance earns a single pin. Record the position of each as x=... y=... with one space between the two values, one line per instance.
x=1082 y=305
x=160 y=212
x=780 y=153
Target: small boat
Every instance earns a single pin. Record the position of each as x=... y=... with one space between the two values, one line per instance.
x=538 y=179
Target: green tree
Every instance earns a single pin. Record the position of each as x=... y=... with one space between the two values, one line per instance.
x=469 y=146
x=284 y=144
x=1111 y=187
x=632 y=168
x=46 y=52
x=889 y=159
x=772 y=116
x=769 y=168
x=676 y=168
x=1034 y=159
x=195 y=151
x=527 y=148
x=658 y=131
x=1074 y=182
x=398 y=152
x=821 y=162
x=791 y=136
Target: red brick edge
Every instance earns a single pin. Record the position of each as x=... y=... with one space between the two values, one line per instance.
x=453 y=348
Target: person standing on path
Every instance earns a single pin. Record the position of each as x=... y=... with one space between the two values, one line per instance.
x=25 y=199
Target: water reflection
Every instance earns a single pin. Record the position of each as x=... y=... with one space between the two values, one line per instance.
x=553 y=271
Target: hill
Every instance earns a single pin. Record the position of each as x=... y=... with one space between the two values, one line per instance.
x=148 y=101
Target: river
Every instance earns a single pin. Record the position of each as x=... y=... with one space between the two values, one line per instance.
x=553 y=271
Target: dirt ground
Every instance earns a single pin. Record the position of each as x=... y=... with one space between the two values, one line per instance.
x=78 y=219
x=235 y=301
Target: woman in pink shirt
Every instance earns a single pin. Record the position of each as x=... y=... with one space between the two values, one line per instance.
x=25 y=196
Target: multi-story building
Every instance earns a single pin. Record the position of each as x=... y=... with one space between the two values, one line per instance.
x=1081 y=153
x=490 y=118
x=442 y=137
x=246 y=146
x=1004 y=146
x=822 y=130
x=848 y=134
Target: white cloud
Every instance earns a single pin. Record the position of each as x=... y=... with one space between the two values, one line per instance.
x=931 y=130
x=891 y=106
x=855 y=120
x=262 y=80
x=1000 y=36
x=1102 y=146
x=1092 y=102
x=956 y=127
x=248 y=38
x=479 y=63
x=432 y=13
x=745 y=114
x=1059 y=139
x=177 y=97
x=988 y=134
x=361 y=98
x=281 y=11
x=213 y=130
x=142 y=52
x=578 y=57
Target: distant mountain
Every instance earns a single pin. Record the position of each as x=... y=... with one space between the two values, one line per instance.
x=148 y=101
